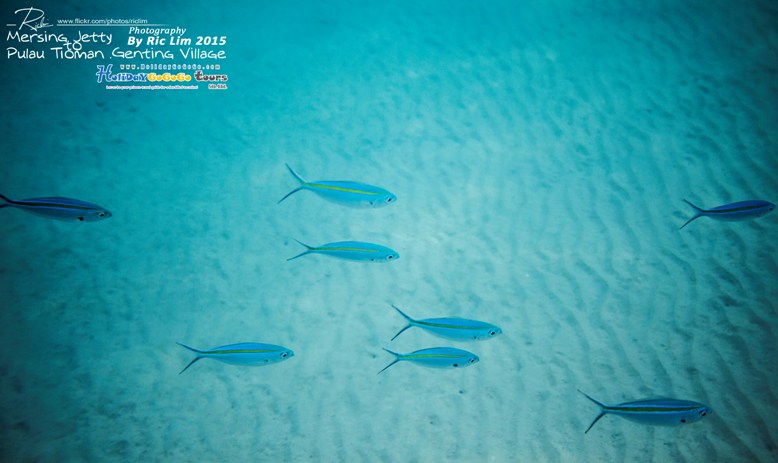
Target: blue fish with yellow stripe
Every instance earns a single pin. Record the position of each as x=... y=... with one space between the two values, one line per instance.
x=346 y=193
x=742 y=210
x=58 y=208
x=245 y=353
x=436 y=357
x=658 y=412
x=458 y=329
x=358 y=251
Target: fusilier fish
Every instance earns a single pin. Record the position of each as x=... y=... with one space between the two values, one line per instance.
x=245 y=353
x=351 y=194
x=458 y=329
x=659 y=412
x=65 y=209
x=352 y=250
x=742 y=210
x=436 y=357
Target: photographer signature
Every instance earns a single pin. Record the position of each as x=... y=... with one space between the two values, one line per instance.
x=33 y=18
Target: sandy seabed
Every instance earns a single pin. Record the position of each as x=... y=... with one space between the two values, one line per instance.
x=540 y=153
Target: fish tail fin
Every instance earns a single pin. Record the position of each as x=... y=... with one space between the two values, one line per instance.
x=410 y=321
x=401 y=331
x=289 y=194
x=308 y=249
x=299 y=179
x=698 y=215
x=295 y=174
x=599 y=404
x=698 y=209
x=403 y=313
x=190 y=364
x=596 y=419
x=197 y=351
x=396 y=359
x=7 y=201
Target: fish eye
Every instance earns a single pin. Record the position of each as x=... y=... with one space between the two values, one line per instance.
x=390 y=257
x=102 y=214
x=492 y=333
x=472 y=360
x=283 y=355
x=683 y=420
x=455 y=365
x=80 y=219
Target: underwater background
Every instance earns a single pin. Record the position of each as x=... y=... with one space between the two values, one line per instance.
x=540 y=152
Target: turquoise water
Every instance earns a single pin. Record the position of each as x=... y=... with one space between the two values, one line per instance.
x=540 y=153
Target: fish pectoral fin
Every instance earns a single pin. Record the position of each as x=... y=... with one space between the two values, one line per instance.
x=602 y=413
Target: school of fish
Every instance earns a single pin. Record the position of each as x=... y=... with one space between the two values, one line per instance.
x=657 y=411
